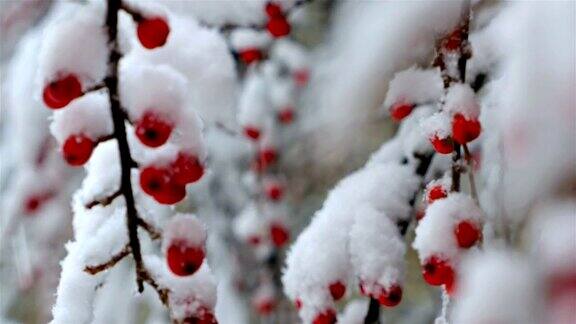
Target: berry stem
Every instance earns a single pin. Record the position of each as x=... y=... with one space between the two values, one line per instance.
x=118 y=119
x=110 y=263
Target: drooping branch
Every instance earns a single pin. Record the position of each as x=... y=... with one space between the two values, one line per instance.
x=110 y=263
x=118 y=119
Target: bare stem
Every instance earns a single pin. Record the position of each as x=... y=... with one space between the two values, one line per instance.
x=110 y=263
x=104 y=201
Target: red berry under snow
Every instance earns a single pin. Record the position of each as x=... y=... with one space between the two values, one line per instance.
x=154 y=180
x=250 y=55
x=467 y=234
x=184 y=260
x=204 y=316
x=442 y=145
x=268 y=155
x=265 y=306
x=59 y=93
x=153 y=32
x=252 y=132
x=273 y=10
x=298 y=303
x=173 y=193
x=435 y=193
x=391 y=297
x=187 y=169
x=274 y=192
x=278 y=26
x=301 y=77
x=437 y=271
x=465 y=130
x=400 y=110
x=77 y=149
x=326 y=317
x=453 y=41
x=279 y=235
x=337 y=290
x=286 y=116
x=153 y=130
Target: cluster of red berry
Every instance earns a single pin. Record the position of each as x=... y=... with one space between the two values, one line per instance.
x=277 y=25
x=58 y=93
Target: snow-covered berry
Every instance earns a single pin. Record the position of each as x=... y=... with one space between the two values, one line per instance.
x=250 y=55
x=442 y=145
x=400 y=110
x=187 y=169
x=153 y=130
x=58 y=94
x=301 y=77
x=465 y=130
x=286 y=116
x=437 y=271
x=268 y=155
x=278 y=26
x=298 y=303
x=77 y=149
x=274 y=191
x=337 y=290
x=265 y=306
x=154 y=180
x=252 y=132
x=184 y=260
x=326 y=317
x=279 y=234
x=273 y=10
x=467 y=234
x=153 y=32
x=390 y=297
x=435 y=192
x=173 y=193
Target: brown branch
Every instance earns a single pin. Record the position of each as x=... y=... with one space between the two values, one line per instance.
x=163 y=293
x=154 y=233
x=110 y=263
x=104 y=201
x=118 y=118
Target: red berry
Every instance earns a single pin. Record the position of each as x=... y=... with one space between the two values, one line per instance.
x=278 y=26
x=153 y=32
x=254 y=240
x=453 y=41
x=301 y=77
x=265 y=306
x=186 y=169
x=250 y=55
x=32 y=204
x=326 y=317
x=252 y=132
x=437 y=272
x=59 y=93
x=274 y=192
x=77 y=149
x=435 y=193
x=442 y=145
x=172 y=194
x=154 y=181
x=184 y=260
x=400 y=110
x=337 y=290
x=203 y=316
x=467 y=234
x=152 y=130
x=273 y=10
x=465 y=130
x=298 y=303
x=268 y=155
x=420 y=213
x=286 y=116
x=279 y=235
x=450 y=285
x=391 y=297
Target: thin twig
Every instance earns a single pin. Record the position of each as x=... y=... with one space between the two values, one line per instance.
x=110 y=263
x=104 y=201
x=163 y=293
x=152 y=231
